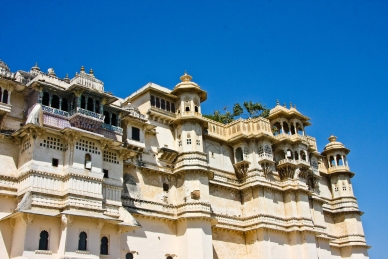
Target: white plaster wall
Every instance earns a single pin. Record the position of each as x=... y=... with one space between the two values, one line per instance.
x=5 y=238
x=219 y=156
x=8 y=157
x=225 y=201
x=228 y=245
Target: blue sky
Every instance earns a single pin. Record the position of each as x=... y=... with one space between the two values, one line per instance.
x=330 y=58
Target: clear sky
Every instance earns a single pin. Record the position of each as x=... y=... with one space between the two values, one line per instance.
x=330 y=58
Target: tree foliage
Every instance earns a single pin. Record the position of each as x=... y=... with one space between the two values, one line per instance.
x=252 y=110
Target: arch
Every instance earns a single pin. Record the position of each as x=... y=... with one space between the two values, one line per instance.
x=88 y=161
x=292 y=130
x=129 y=256
x=5 y=96
x=104 y=246
x=286 y=128
x=276 y=128
x=168 y=108
x=157 y=102
x=303 y=155
x=163 y=104
x=107 y=117
x=279 y=155
x=173 y=107
x=187 y=108
x=114 y=119
x=90 y=106
x=83 y=102
x=55 y=101
x=97 y=106
x=289 y=154
x=331 y=161
x=239 y=155
x=296 y=155
x=152 y=100
x=43 y=241
x=65 y=105
x=82 y=242
x=299 y=129
x=46 y=98
x=339 y=160
x=196 y=108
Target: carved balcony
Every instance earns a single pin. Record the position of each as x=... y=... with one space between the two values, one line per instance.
x=85 y=119
x=241 y=169
x=112 y=128
x=193 y=160
x=134 y=145
x=167 y=155
x=51 y=110
x=338 y=168
x=286 y=168
x=266 y=162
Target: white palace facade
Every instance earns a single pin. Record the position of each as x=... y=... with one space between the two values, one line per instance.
x=86 y=174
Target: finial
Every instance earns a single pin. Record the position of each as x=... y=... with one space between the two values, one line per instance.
x=76 y=73
x=285 y=105
x=91 y=72
x=51 y=72
x=82 y=69
x=295 y=106
x=290 y=105
x=332 y=138
x=277 y=102
x=36 y=68
x=186 y=77
x=66 y=79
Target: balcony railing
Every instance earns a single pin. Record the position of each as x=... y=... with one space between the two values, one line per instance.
x=286 y=161
x=112 y=128
x=55 y=111
x=302 y=162
x=7 y=74
x=87 y=113
x=332 y=169
x=265 y=157
x=137 y=115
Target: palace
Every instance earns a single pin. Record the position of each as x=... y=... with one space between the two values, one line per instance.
x=86 y=174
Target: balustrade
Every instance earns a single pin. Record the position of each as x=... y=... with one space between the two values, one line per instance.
x=87 y=113
x=112 y=128
x=55 y=111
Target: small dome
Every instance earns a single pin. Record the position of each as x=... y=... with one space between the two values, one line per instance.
x=4 y=66
x=335 y=145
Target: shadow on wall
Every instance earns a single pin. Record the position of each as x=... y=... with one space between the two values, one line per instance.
x=215 y=255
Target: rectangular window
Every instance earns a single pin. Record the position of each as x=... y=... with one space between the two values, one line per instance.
x=106 y=173
x=198 y=142
x=135 y=134
x=180 y=143
x=188 y=141
x=54 y=162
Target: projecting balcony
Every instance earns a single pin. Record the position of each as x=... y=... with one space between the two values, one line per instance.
x=241 y=169
x=85 y=119
x=264 y=157
x=47 y=109
x=5 y=108
x=286 y=162
x=301 y=162
x=293 y=137
x=338 y=168
x=134 y=145
x=189 y=114
x=112 y=128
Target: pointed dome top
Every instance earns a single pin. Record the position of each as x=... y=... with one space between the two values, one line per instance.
x=186 y=77
x=334 y=145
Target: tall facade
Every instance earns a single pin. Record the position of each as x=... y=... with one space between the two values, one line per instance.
x=86 y=174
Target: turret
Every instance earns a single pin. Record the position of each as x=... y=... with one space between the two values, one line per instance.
x=338 y=168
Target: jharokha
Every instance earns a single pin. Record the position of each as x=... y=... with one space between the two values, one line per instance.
x=86 y=174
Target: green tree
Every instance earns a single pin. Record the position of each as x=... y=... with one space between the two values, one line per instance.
x=253 y=110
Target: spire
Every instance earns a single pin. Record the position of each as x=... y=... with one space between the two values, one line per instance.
x=91 y=72
x=332 y=138
x=66 y=79
x=186 y=77
x=82 y=69
x=35 y=68
x=277 y=102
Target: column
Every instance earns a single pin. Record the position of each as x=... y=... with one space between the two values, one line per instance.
x=9 y=97
x=50 y=98
x=60 y=103
x=110 y=118
x=281 y=125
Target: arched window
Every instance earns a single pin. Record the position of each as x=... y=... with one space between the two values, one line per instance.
x=104 y=246
x=114 y=119
x=172 y=107
x=97 y=106
x=299 y=129
x=332 y=163
x=168 y=106
x=107 y=117
x=339 y=160
x=88 y=161
x=152 y=100
x=82 y=242
x=303 y=155
x=289 y=154
x=157 y=102
x=5 y=96
x=286 y=128
x=65 y=105
x=46 y=98
x=296 y=155
x=55 y=102
x=43 y=241
x=163 y=104
x=129 y=256
x=196 y=108
x=239 y=155
x=90 y=104
x=83 y=102
x=187 y=108
x=276 y=129
x=292 y=129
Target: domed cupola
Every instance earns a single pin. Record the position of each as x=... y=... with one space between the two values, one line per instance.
x=336 y=152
